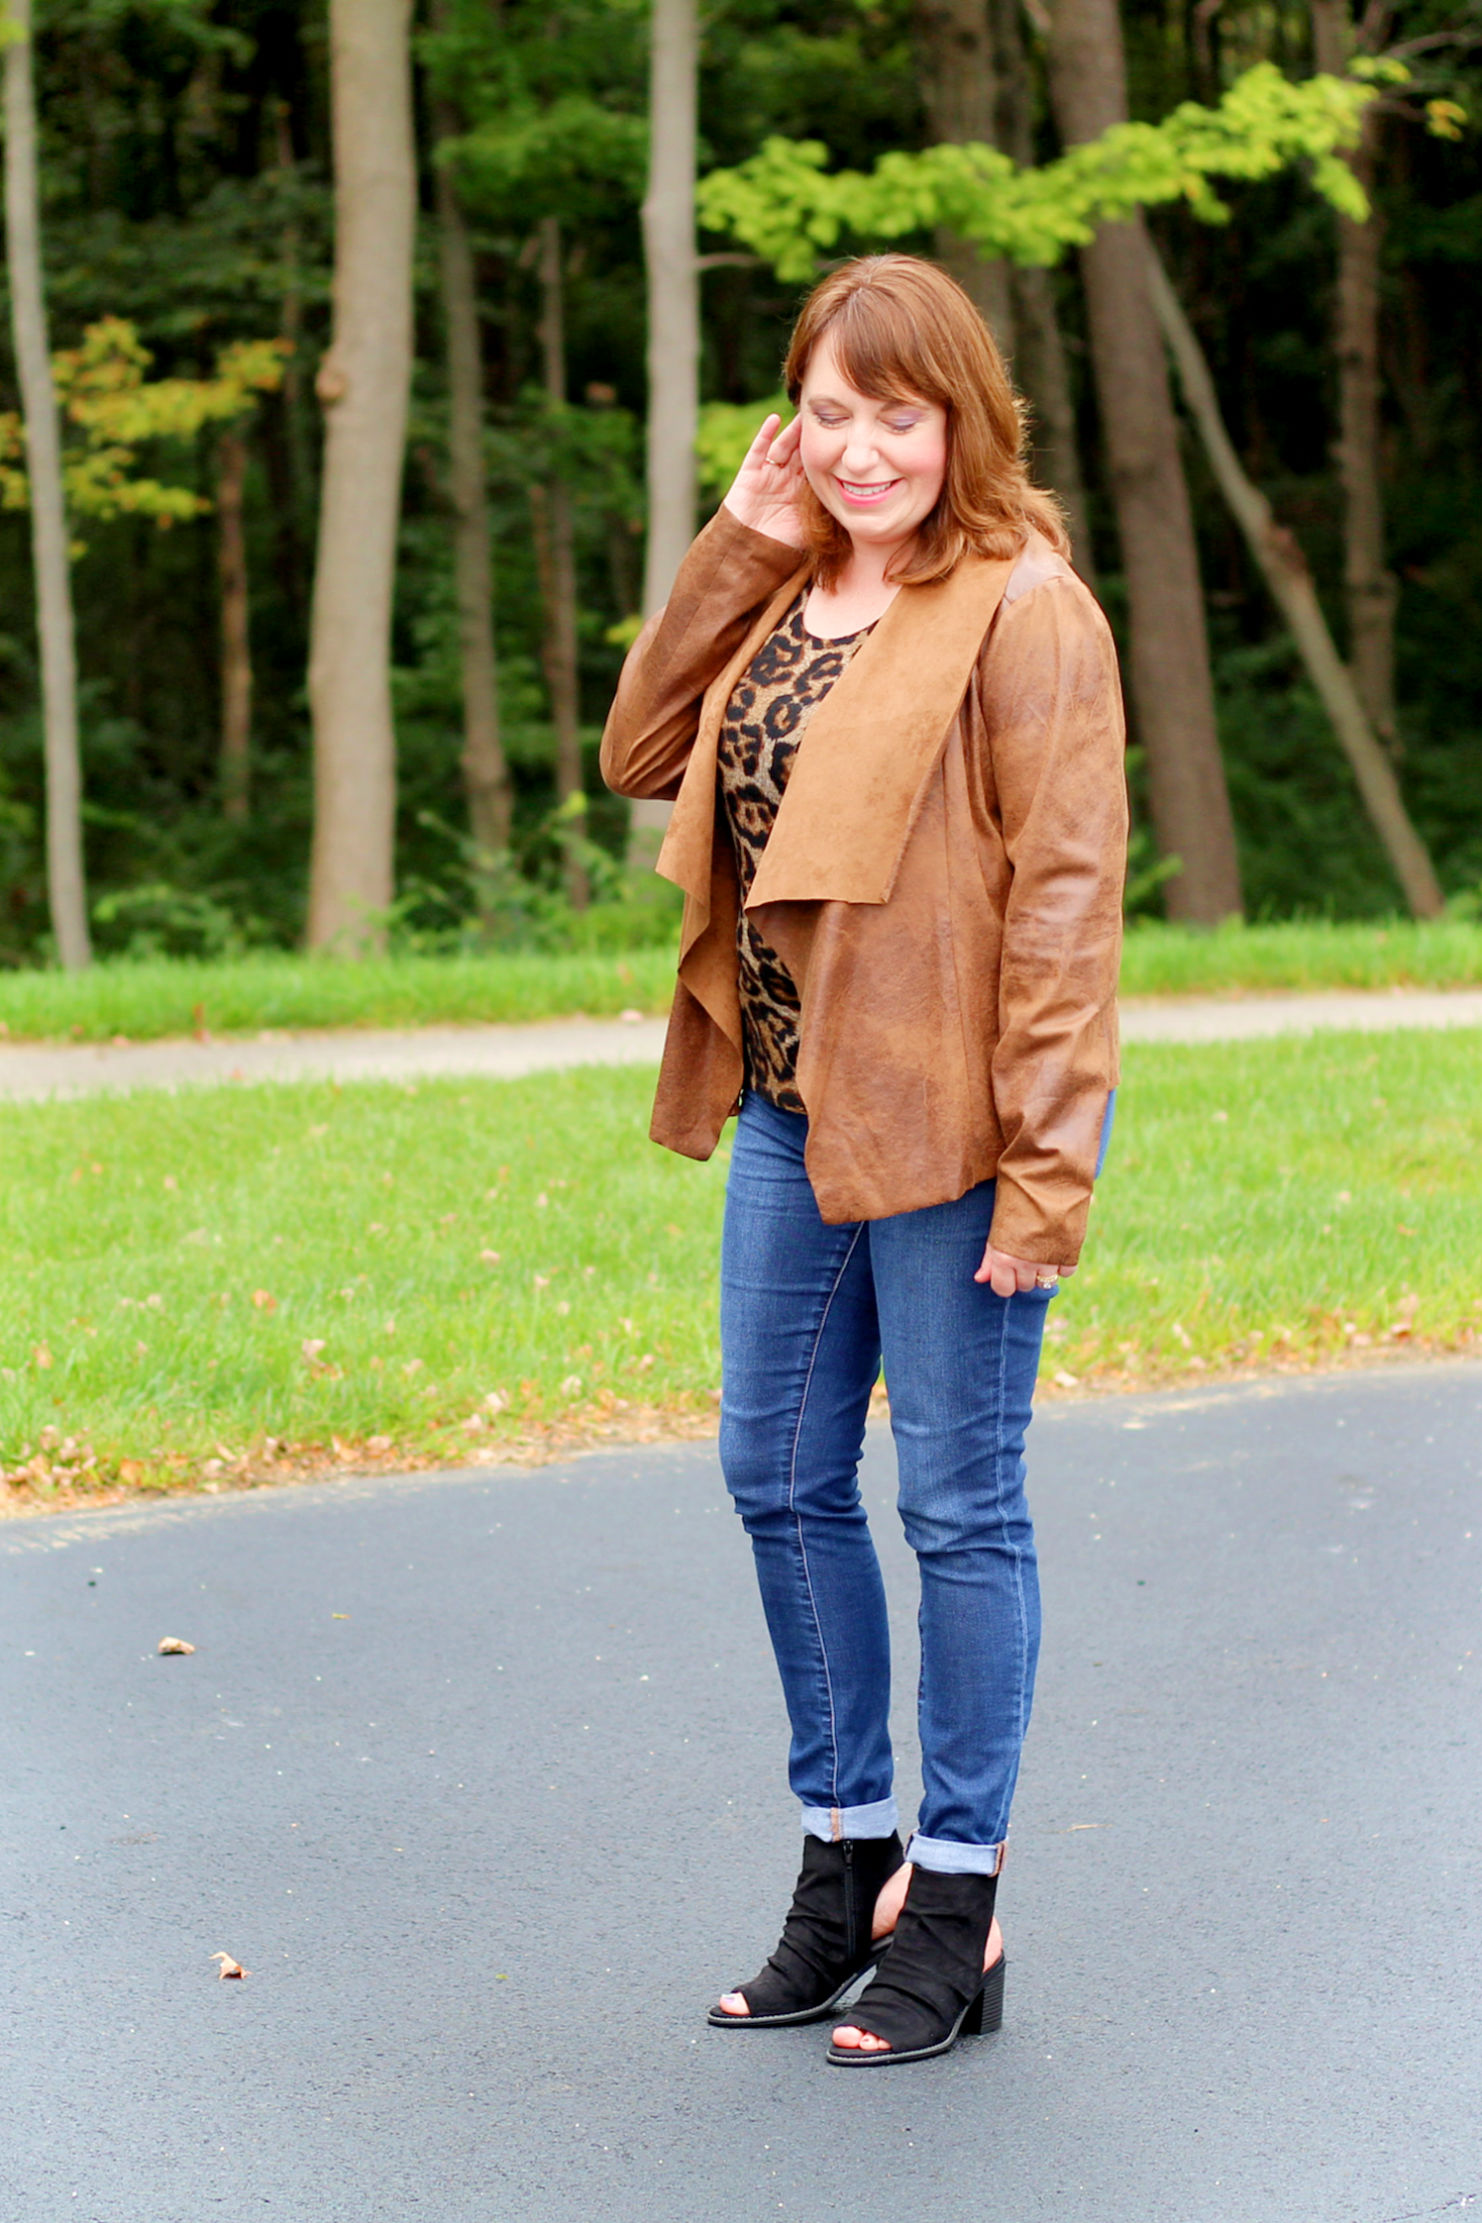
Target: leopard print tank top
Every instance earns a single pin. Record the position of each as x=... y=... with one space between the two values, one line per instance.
x=770 y=705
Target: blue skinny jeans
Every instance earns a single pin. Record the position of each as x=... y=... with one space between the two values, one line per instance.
x=807 y=1313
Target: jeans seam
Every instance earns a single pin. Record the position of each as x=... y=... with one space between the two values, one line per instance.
x=792 y=1491
x=1017 y=1555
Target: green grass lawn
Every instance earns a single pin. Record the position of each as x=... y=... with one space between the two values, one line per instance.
x=223 y=1284
x=154 y=997
x=1302 y=954
x=164 y=996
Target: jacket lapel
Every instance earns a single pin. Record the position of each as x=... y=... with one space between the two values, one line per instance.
x=872 y=744
x=685 y=853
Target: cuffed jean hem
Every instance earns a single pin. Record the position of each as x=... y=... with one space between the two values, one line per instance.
x=945 y=1859
x=834 y=1823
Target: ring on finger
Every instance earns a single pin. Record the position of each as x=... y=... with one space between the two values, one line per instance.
x=1046 y=1281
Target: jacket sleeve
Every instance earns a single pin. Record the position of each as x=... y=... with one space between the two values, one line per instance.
x=1052 y=707
x=729 y=572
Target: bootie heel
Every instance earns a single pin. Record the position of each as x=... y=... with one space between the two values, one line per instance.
x=826 y=1944
x=985 y=2011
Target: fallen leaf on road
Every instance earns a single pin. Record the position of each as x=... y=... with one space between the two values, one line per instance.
x=168 y=1644
x=228 y=1967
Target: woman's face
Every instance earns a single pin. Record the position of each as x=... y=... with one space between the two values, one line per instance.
x=877 y=466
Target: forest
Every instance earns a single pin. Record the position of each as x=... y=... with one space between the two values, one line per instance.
x=1295 y=753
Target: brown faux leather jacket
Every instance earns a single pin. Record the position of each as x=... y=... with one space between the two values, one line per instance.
x=943 y=881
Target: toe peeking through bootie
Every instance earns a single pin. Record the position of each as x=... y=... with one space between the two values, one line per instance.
x=931 y=1987
x=826 y=1943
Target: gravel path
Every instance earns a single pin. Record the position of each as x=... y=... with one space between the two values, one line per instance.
x=30 y=1070
x=479 y=1775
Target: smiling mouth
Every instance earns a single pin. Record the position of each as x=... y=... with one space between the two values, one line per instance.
x=874 y=492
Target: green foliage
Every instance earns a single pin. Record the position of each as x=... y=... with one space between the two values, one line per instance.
x=790 y=209
x=186 y=187
x=102 y=391
x=727 y=429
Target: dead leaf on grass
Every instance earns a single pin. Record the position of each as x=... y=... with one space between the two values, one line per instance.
x=263 y=1301
x=176 y=1644
x=228 y=1967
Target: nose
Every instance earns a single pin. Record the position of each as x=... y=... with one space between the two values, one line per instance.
x=860 y=454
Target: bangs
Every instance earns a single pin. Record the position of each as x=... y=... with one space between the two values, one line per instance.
x=879 y=346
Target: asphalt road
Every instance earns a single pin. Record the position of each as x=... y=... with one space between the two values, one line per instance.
x=478 y=1775
x=43 y=1069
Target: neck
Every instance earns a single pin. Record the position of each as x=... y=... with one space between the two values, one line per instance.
x=864 y=572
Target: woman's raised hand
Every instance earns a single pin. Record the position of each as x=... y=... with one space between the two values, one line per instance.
x=765 y=492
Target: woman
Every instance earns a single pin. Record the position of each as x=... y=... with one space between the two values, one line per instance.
x=889 y=717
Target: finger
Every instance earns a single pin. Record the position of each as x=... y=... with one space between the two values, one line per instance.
x=785 y=445
x=985 y=1271
x=760 y=448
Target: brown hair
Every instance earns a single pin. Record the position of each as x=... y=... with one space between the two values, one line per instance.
x=901 y=328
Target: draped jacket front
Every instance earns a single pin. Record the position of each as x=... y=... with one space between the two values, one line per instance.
x=943 y=881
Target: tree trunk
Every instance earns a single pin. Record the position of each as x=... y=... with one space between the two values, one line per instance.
x=236 y=650
x=486 y=777
x=1371 y=591
x=363 y=383
x=673 y=295
x=1168 y=668
x=1285 y=572
x=673 y=331
x=66 y=886
x=558 y=572
x=958 y=74
x=1040 y=366
x=285 y=444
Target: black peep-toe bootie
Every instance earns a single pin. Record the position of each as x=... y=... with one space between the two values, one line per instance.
x=931 y=1988
x=826 y=1944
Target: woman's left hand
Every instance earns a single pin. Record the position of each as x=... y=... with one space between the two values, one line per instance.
x=1006 y=1276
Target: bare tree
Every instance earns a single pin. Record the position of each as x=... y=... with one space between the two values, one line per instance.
x=673 y=328
x=673 y=294
x=556 y=556
x=1285 y=571
x=975 y=87
x=486 y=777
x=236 y=644
x=1039 y=358
x=66 y=886
x=1370 y=589
x=957 y=70
x=363 y=383
x=1168 y=667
